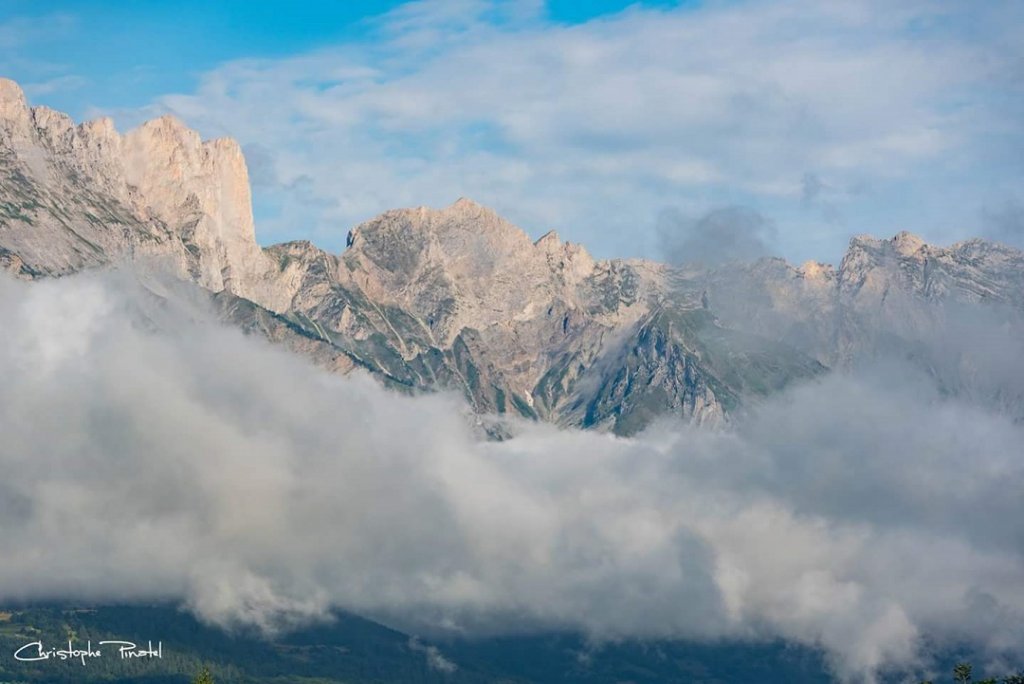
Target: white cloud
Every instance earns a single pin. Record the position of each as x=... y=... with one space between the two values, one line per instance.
x=594 y=128
x=435 y=659
x=55 y=84
x=17 y=32
x=151 y=453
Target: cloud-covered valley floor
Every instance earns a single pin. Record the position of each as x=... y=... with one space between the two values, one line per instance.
x=151 y=453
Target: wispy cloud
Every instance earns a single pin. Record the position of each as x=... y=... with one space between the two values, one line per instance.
x=1006 y=223
x=17 y=32
x=860 y=514
x=595 y=128
x=720 y=236
x=24 y=49
x=57 y=83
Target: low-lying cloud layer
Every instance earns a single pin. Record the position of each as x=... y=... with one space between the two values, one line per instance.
x=167 y=456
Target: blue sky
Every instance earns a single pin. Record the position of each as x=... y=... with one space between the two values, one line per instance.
x=619 y=124
x=127 y=53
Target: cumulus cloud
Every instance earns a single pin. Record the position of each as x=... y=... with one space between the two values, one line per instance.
x=149 y=452
x=591 y=128
x=1006 y=224
x=720 y=236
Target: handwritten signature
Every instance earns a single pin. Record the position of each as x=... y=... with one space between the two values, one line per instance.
x=35 y=651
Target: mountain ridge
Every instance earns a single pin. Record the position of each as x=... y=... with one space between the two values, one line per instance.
x=459 y=298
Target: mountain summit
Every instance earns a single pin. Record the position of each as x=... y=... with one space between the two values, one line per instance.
x=458 y=297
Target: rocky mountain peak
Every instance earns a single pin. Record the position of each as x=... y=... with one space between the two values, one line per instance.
x=466 y=238
x=50 y=119
x=101 y=127
x=572 y=262
x=817 y=271
x=201 y=188
x=12 y=100
x=903 y=244
x=167 y=126
x=460 y=298
x=549 y=242
x=468 y=207
x=171 y=194
x=906 y=243
x=864 y=241
x=15 y=116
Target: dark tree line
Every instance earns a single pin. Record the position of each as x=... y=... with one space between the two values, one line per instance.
x=204 y=677
x=962 y=674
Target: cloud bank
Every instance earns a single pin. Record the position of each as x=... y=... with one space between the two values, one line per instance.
x=904 y=118
x=720 y=236
x=149 y=452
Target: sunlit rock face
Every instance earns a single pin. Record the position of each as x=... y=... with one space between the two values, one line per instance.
x=460 y=299
x=83 y=195
x=200 y=190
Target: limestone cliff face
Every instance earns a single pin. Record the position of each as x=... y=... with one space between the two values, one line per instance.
x=200 y=190
x=462 y=266
x=63 y=199
x=459 y=299
x=75 y=196
x=454 y=298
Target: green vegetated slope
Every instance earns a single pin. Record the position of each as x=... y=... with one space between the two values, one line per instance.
x=355 y=650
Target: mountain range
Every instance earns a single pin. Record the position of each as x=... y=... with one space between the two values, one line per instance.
x=460 y=299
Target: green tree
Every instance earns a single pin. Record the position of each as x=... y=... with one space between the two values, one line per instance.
x=204 y=677
x=1014 y=678
x=962 y=673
